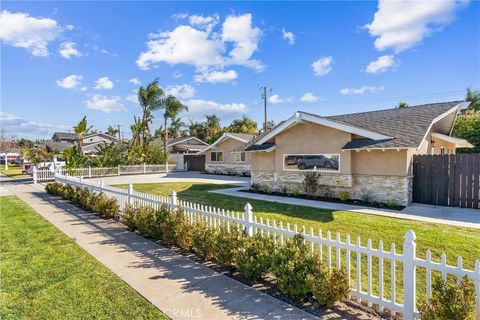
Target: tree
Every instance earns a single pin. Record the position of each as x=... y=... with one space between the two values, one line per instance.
x=171 y=108
x=73 y=158
x=213 y=129
x=402 y=104
x=81 y=129
x=136 y=153
x=243 y=125
x=111 y=131
x=176 y=128
x=473 y=96
x=37 y=155
x=150 y=99
x=467 y=126
x=110 y=154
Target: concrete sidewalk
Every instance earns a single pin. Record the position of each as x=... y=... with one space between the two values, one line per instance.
x=180 y=287
x=460 y=217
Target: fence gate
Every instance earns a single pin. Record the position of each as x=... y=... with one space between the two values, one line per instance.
x=195 y=162
x=447 y=180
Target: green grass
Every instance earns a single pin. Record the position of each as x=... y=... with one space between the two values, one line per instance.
x=13 y=171
x=46 y=275
x=454 y=241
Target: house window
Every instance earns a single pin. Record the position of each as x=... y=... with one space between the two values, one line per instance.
x=442 y=150
x=311 y=162
x=216 y=156
x=240 y=157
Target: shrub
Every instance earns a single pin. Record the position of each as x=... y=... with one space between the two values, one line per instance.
x=328 y=286
x=296 y=192
x=130 y=217
x=256 y=187
x=284 y=189
x=328 y=193
x=311 y=183
x=344 y=195
x=176 y=229
x=265 y=189
x=54 y=188
x=392 y=203
x=226 y=244
x=366 y=196
x=203 y=239
x=450 y=301
x=68 y=192
x=148 y=220
x=291 y=266
x=231 y=171
x=107 y=208
x=254 y=258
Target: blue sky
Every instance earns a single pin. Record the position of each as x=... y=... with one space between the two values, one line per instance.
x=63 y=60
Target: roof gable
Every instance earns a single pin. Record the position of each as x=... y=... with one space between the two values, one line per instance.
x=242 y=137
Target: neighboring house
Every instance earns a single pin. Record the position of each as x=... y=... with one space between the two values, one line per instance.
x=189 y=144
x=67 y=137
x=226 y=155
x=57 y=147
x=92 y=141
x=367 y=153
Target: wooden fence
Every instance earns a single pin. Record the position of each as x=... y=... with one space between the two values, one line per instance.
x=338 y=252
x=447 y=180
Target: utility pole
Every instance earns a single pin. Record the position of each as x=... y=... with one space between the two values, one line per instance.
x=264 y=96
x=119 y=138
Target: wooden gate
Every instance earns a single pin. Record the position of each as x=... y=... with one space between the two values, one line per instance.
x=194 y=162
x=447 y=180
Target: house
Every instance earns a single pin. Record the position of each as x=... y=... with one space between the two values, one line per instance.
x=364 y=154
x=226 y=155
x=92 y=141
x=67 y=137
x=188 y=144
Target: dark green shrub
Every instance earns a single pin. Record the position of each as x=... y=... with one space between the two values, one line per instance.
x=328 y=286
x=254 y=258
x=226 y=245
x=311 y=183
x=392 y=203
x=68 y=192
x=105 y=207
x=130 y=217
x=284 y=189
x=176 y=229
x=148 y=220
x=450 y=301
x=203 y=239
x=291 y=266
x=344 y=195
x=54 y=188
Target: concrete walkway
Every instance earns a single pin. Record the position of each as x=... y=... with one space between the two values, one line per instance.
x=459 y=217
x=181 y=288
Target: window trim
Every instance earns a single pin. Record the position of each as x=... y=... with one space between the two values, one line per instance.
x=217 y=152
x=240 y=154
x=313 y=154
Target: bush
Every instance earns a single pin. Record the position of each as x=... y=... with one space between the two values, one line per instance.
x=328 y=286
x=392 y=203
x=366 y=196
x=68 y=192
x=295 y=192
x=450 y=301
x=54 y=188
x=266 y=189
x=226 y=244
x=254 y=258
x=203 y=239
x=328 y=193
x=311 y=183
x=176 y=229
x=284 y=189
x=107 y=208
x=148 y=220
x=130 y=217
x=344 y=195
x=291 y=266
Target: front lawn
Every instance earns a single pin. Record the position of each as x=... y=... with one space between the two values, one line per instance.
x=454 y=241
x=13 y=171
x=46 y=275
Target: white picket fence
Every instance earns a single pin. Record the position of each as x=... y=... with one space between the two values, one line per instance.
x=96 y=172
x=401 y=299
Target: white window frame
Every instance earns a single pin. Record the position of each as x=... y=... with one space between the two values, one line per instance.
x=240 y=154
x=217 y=152
x=313 y=154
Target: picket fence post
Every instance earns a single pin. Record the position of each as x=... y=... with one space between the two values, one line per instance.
x=34 y=173
x=144 y=168
x=166 y=167
x=173 y=200
x=89 y=171
x=118 y=168
x=101 y=184
x=248 y=218
x=130 y=192
x=409 y=275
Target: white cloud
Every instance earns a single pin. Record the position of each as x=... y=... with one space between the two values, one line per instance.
x=382 y=64
x=289 y=36
x=68 y=50
x=275 y=99
x=181 y=91
x=197 y=45
x=18 y=126
x=133 y=98
x=198 y=108
x=70 y=82
x=400 y=25
x=216 y=76
x=309 y=97
x=322 y=66
x=361 y=90
x=105 y=104
x=103 y=83
x=23 y=31
x=135 y=81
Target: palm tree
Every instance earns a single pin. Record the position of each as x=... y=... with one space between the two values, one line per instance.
x=136 y=149
x=473 y=96
x=111 y=131
x=150 y=99
x=73 y=158
x=172 y=107
x=81 y=129
x=213 y=129
x=175 y=130
x=402 y=104
x=243 y=125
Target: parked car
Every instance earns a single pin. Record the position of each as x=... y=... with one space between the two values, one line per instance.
x=317 y=161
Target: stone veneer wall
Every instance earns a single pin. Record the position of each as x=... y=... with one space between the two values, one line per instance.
x=382 y=188
x=225 y=168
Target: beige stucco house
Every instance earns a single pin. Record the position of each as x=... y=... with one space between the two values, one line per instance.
x=226 y=154
x=369 y=152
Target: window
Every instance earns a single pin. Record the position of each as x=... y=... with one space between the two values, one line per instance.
x=240 y=157
x=311 y=162
x=216 y=156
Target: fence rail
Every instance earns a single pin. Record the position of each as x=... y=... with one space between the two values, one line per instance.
x=338 y=253
x=97 y=172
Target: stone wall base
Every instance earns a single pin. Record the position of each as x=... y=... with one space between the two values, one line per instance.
x=227 y=168
x=381 y=188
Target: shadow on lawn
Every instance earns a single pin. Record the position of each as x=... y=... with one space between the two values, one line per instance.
x=235 y=298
